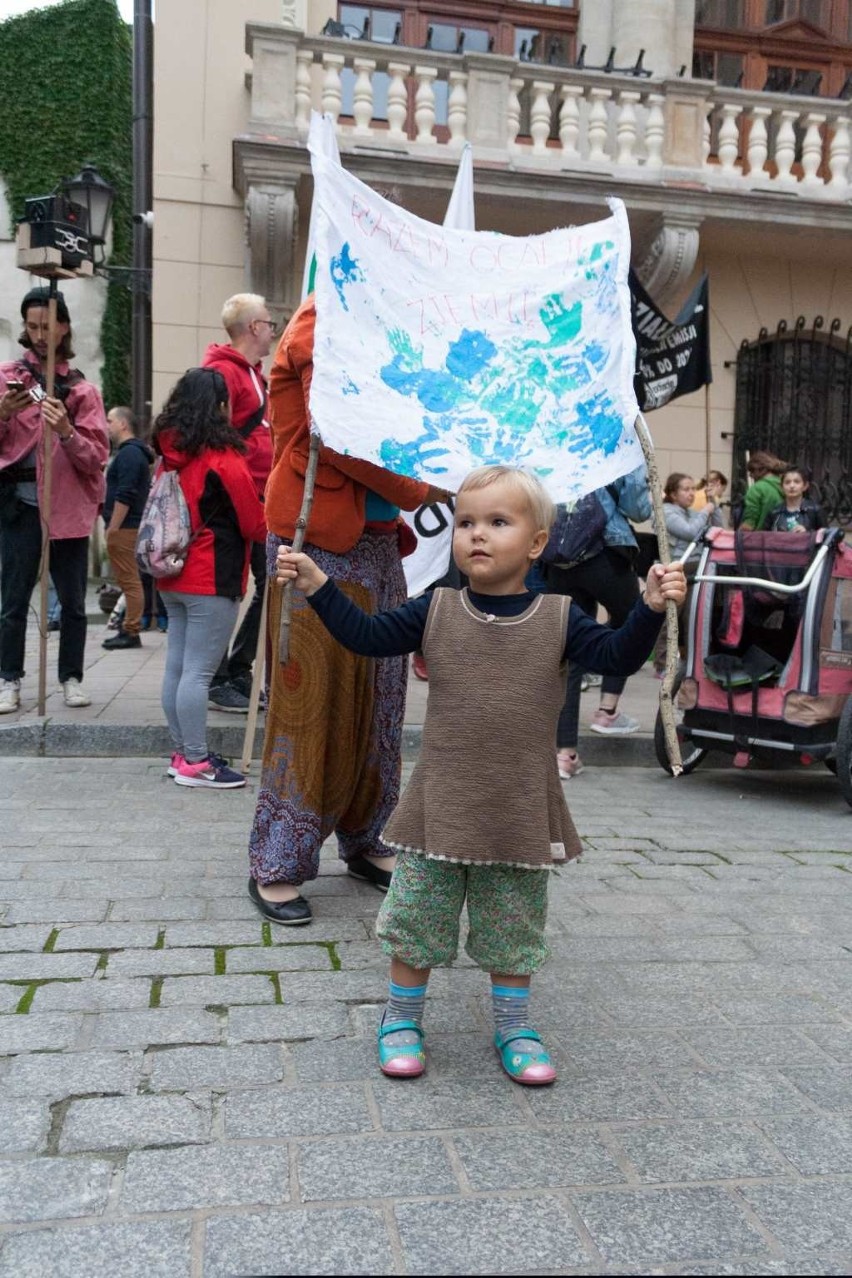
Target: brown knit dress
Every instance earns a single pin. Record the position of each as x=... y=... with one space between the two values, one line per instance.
x=486 y=788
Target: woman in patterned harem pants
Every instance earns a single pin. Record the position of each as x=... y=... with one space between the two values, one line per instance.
x=331 y=756
x=312 y=785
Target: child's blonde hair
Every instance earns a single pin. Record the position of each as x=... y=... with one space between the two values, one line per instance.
x=539 y=504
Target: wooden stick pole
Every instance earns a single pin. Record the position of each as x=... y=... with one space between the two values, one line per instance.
x=707 y=430
x=257 y=680
x=666 y=706
x=44 y=501
x=298 y=542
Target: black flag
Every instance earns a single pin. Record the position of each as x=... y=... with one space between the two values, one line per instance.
x=672 y=356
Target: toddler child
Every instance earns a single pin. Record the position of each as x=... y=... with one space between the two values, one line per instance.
x=797 y=513
x=484 y=816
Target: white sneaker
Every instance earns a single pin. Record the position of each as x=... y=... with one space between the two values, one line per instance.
x=74 y=695
x=10 y=695
x=613 y=725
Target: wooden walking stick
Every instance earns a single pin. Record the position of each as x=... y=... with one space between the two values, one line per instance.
x=298 y=542
x=44 y=502
x=666 y=705
x=257 y=680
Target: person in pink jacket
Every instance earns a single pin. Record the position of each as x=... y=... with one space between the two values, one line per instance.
x=72 y=423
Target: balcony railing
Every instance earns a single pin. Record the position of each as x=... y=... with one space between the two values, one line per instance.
x=547 y=117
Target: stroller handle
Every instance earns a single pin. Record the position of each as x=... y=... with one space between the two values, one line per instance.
x=774 y=586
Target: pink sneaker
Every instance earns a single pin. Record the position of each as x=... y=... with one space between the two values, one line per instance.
x=174 y=763
x=212 y=772
x=569 y=764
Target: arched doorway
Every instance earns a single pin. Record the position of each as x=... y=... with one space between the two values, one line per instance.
x=794 y=398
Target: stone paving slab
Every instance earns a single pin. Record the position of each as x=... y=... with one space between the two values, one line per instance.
x=186 y=1091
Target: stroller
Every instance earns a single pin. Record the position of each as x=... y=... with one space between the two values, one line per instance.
x=768 y=670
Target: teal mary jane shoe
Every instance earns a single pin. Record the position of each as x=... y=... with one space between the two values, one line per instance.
x=403 y=1061
x=533 y=1068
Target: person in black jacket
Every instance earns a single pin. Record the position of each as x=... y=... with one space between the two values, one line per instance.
x=128 y=481
x=796 y=513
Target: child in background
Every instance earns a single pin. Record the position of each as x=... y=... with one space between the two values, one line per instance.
x=484 y=816
x=710 y=487
x=797 y=513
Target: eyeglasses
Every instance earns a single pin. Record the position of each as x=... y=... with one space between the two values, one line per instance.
x=271 y=323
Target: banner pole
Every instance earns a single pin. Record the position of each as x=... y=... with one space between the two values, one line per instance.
x=44 y=502
x=298 y=542
x=707 y=431
x=257 y=680
x=666 y=704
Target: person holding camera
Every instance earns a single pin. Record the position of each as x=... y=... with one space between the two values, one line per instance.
x=73 y=424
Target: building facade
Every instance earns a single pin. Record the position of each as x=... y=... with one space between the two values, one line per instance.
x=724 y=125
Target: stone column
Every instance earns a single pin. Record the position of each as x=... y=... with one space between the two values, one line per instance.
x=272 y=50
x=294 y=14
x=594 y=30
x=488 y=91
x=663 y=28
x=272 y=220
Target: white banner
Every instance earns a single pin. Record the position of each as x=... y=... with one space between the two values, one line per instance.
x=433 y=525
x=438 y=349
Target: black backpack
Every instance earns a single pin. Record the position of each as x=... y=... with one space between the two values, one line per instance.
x=577 y=534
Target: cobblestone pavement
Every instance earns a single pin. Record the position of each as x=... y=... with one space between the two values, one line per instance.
x=185 y=1090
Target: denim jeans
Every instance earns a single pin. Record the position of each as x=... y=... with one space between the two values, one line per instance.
x=237 y=664
x=20 y=556
x=199 y=626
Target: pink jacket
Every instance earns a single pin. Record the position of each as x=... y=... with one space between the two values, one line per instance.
x=77 y=472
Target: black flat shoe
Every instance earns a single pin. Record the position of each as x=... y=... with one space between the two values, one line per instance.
x=288 y=913
x=360 y=868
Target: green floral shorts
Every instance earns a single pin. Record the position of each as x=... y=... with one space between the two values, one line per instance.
x=507 y=910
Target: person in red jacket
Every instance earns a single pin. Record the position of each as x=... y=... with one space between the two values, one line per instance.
x=194 y=436
x=245 y=318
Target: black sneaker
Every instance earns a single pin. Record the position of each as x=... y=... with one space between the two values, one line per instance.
x=360 y=868
x=228 y=698
x=122 y=640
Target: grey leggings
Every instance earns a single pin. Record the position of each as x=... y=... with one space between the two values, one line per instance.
x=199 y=629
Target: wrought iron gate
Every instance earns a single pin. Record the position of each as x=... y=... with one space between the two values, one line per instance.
x=794 y=399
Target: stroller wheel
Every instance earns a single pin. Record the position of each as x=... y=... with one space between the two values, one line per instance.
x=691 y=755
x=844 y=752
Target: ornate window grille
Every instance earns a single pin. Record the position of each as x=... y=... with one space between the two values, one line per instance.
x=794 y=399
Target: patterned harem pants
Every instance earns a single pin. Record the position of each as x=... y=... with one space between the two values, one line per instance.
x=331 y=754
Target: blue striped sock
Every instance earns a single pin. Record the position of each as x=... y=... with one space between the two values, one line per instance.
x=406 y=1003
x=511 y=1004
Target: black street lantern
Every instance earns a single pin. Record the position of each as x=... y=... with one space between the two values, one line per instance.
x=96 y=196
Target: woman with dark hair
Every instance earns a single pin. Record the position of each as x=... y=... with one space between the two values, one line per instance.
x=194 y=436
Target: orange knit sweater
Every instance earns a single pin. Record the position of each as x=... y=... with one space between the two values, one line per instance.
x=337 y=514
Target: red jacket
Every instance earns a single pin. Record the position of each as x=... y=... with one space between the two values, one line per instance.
x=224 y=505
x=248 y=398
x=77 y=471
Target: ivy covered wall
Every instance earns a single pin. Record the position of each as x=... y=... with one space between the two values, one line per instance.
x=65 y=98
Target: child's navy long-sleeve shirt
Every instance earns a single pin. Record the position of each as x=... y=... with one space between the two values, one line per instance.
x=595 y=647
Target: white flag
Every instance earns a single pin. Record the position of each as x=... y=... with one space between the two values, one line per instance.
x=322 y=137
x=438 y=350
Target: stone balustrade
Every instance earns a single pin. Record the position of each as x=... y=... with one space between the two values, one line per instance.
x=540 y=117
